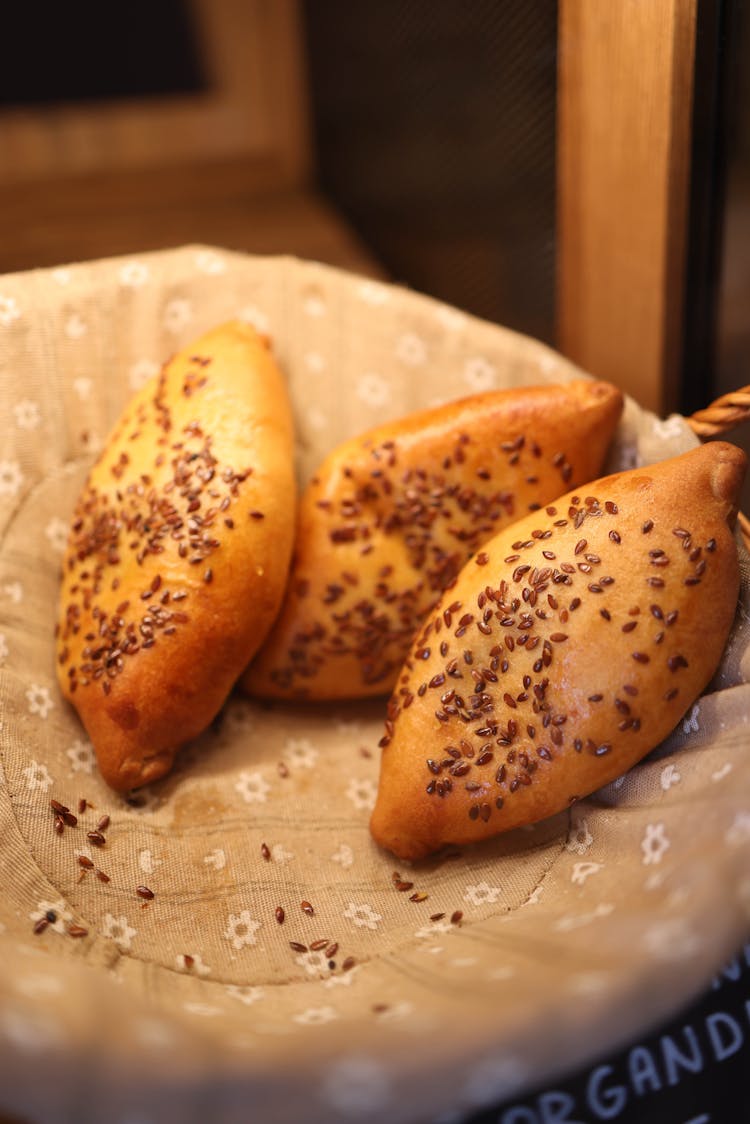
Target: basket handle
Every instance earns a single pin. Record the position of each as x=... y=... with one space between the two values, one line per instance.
x=723 y=415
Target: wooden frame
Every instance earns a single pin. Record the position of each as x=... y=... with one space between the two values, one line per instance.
x=625 y=88
x=256 y=110
x=231 y=167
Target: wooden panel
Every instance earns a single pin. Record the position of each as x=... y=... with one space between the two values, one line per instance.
x=624 y=125
x=256 y=108
x=93 y=217
x=229 y=168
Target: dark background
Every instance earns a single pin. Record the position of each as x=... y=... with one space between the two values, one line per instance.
x=435 y=132
x=91 y=52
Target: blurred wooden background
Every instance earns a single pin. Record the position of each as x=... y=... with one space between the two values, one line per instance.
x=101 y=170
x=575 y=170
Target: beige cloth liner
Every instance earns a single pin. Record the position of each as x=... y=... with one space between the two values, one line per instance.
x=576 y=934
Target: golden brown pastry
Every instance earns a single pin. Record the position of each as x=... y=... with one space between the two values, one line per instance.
x=569 y=646
x=178 y=553
x=391 y=516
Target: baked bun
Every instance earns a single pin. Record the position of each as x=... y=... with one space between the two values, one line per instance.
x=391 y=516
x=178 y=553
x=569 y=646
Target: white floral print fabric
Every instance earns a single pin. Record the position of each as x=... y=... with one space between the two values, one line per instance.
x=237 y=919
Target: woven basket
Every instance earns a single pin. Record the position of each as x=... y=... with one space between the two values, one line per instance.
x=725 y=414
x=504 y=967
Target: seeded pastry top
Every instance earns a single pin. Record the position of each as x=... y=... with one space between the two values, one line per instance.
x=564 y=652
x=178 y=552
x=391 y=517
x=175 y=510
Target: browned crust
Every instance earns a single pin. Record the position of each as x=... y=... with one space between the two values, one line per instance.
x=590 y=628
x=391 y=516
x=178 y=553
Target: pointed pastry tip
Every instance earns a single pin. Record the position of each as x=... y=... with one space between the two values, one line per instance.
x=728 y=475
x=605 y=390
